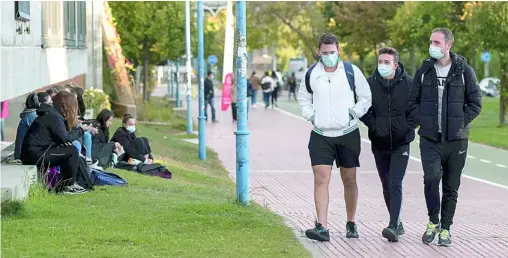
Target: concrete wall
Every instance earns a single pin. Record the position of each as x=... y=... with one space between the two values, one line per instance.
x=25 y=66
x=94 y=12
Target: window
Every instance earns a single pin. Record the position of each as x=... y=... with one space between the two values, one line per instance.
x=22 y=10
x=64 y=24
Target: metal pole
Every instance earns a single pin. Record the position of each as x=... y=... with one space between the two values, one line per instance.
x=188 y=66
x=201 y=64
x=486 y=69
x=177 y=85
x=170 y=80
x=242 y=132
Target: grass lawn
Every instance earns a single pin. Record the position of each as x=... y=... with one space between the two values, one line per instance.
x=485 y=128
x=192 y=215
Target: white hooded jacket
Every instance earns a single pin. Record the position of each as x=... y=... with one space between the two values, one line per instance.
x=331 y=107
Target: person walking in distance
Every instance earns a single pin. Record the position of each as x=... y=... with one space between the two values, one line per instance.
x=209 y=96
x=332 y=97
x=389 y=132
x=267 y=85
x=254 y=80
x=292 y=86
x=445 y=98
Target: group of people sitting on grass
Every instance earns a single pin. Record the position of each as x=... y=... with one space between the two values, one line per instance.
x=53 y=133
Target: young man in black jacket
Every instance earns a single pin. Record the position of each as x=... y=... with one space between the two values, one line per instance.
x=445 y=98
x=209 y=96
x=389 y=132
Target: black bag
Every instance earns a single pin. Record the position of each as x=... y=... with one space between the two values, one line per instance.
x=83 y=176
x=146 y=169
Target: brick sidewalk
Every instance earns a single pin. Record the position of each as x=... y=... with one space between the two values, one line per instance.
x=281 y=180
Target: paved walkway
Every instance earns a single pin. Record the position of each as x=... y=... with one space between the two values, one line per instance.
x=281 y=180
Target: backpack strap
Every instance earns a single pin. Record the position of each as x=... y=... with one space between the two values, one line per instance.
x=350 y=74
x=307 y=78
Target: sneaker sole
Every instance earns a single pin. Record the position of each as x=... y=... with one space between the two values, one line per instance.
x=316 y=237
x=72 y=193
x=352 y=236
x=445 y=245
x=429 y=242
x=390 y=236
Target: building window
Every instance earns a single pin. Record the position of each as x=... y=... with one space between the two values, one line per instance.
x=64 y=24
x=22 y=10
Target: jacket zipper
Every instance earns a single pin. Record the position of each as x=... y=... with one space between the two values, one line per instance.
x=331 y=108
x=389 y=115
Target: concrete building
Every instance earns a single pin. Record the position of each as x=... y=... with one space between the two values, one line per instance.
x=44 y=43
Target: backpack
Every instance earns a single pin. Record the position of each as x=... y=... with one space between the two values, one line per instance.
x=83 y=176
x=348 y=67
x=100 y=177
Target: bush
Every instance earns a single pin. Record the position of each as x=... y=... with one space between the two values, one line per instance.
x=96 y=100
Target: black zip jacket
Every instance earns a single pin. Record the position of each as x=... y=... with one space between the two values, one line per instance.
x=388 y=118
x=48 y=129
x=125 y=138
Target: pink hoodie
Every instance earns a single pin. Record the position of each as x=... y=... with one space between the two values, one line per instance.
x=5 y=110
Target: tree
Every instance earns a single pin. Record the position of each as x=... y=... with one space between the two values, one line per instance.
x=493 y=17
x=151 y=32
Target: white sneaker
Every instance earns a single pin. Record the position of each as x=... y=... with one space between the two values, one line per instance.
x=74 y=189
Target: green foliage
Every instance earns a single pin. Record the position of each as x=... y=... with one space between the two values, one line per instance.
x=159 y=26
x=97 y=100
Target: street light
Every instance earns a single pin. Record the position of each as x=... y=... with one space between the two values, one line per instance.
x=188 y=66
x=242 y=132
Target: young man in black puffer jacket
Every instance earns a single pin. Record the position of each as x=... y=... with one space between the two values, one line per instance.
x=445 y=98
x=390 y=132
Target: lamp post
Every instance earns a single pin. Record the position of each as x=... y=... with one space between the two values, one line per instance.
x=242 y=132
x=201 y=59
x=177 y=85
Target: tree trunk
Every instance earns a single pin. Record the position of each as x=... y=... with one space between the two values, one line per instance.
x=503 y=89
x=146 y=67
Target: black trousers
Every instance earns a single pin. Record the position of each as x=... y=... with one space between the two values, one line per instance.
x=105 y=155
x=67 y=157
x=275 y=95
x=391 y=166
x=451 y=157
x=234 y=108
x=142 y=146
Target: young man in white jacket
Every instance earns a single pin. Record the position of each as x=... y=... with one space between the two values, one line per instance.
x=330 y=105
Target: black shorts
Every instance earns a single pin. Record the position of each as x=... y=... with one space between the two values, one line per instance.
x=345 y=149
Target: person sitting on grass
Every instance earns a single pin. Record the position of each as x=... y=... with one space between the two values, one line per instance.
x=29 y=114
x=105 y=151
x=136 y=148
x=48 y=141
x=86 y=140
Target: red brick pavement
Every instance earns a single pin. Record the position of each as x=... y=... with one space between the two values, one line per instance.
x=281 y=180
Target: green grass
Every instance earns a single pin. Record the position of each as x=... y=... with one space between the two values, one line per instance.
x=485 y=128
x=192 y=215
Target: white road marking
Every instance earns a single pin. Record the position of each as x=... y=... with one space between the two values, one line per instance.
x=417 y=159
x=501 y=166
x=471 y=157
x=485 y=161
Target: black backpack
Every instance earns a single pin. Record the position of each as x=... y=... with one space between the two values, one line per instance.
x=350 y=74
x=155 y=169
x=83 y=176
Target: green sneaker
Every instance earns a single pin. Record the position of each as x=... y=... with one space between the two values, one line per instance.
x=318 y=233
x=400 y=229
x=430 y=233
x=444 y=238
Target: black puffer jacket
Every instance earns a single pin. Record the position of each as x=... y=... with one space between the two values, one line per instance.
x=126 y=139
x=388 y=118
x=461 y=100
x=48 y=129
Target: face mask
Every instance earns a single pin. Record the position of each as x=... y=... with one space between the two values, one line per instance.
x=384 y=70
x=131 y=128
x=435 y=52
x=330 y=60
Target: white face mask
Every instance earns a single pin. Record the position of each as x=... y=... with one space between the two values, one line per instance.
x=385 y=70
x=435 y=52
x=131 y=128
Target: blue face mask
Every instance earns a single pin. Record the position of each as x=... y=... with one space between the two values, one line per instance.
x=330 y=60
x=131 y=128
x=384 y=70
x=435 y=52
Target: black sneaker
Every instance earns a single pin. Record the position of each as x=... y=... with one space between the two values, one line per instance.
x=391 y=234
x=430 y=233
x=400 y=229
x=351 y=231
x=318 y=233
x=444 y=238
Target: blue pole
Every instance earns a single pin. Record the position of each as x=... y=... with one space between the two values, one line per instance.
x=172 y=84
x=188 y=65
x=170 y=79
x=177 y=85
x=242 y=132
x=201 y=63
